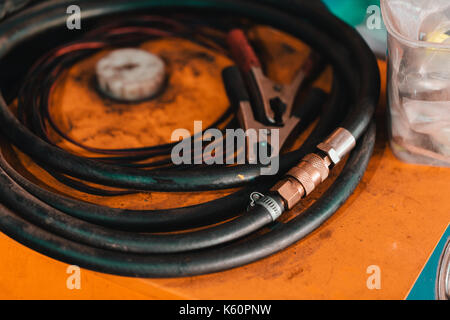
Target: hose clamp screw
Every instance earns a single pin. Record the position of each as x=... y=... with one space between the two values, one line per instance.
x=274 y=209
x=254 y=197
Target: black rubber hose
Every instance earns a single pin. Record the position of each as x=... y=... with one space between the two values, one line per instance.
x=53 y=220
x=8 y=7
x=171 y=219
x=362 y=59
x=201 y=262
x=225 y=177
x=46 y=224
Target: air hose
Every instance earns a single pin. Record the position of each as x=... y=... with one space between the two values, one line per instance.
x=231 y=233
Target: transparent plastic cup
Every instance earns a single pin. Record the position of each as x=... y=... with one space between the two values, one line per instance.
x=419 y=79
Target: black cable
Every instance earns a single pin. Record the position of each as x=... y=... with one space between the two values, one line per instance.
x=194 y=180
x=101 y=238
x=193 y=263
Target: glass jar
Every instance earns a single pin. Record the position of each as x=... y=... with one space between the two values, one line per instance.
x=419 y=79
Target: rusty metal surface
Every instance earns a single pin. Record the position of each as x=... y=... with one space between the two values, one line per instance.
x=393 y=220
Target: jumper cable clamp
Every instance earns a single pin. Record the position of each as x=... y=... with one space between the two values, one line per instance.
x=261 y=102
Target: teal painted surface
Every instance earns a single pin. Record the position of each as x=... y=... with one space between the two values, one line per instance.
x=425 y=286
x=351 y=11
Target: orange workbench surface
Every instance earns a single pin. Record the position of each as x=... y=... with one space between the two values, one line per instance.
x=393 y=220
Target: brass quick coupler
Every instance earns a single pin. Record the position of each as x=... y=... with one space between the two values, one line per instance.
x=313 y=169
x=302 y=179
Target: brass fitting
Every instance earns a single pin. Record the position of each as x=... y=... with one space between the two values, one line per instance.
x=290 y=190
x=338 y=144
x=302 y=179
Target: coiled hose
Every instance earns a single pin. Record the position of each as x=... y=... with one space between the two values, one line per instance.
x=133 y=242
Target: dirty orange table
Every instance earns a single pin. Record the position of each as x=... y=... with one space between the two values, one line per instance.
x=393 y=221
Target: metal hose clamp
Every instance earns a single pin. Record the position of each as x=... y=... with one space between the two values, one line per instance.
x=272 y=206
